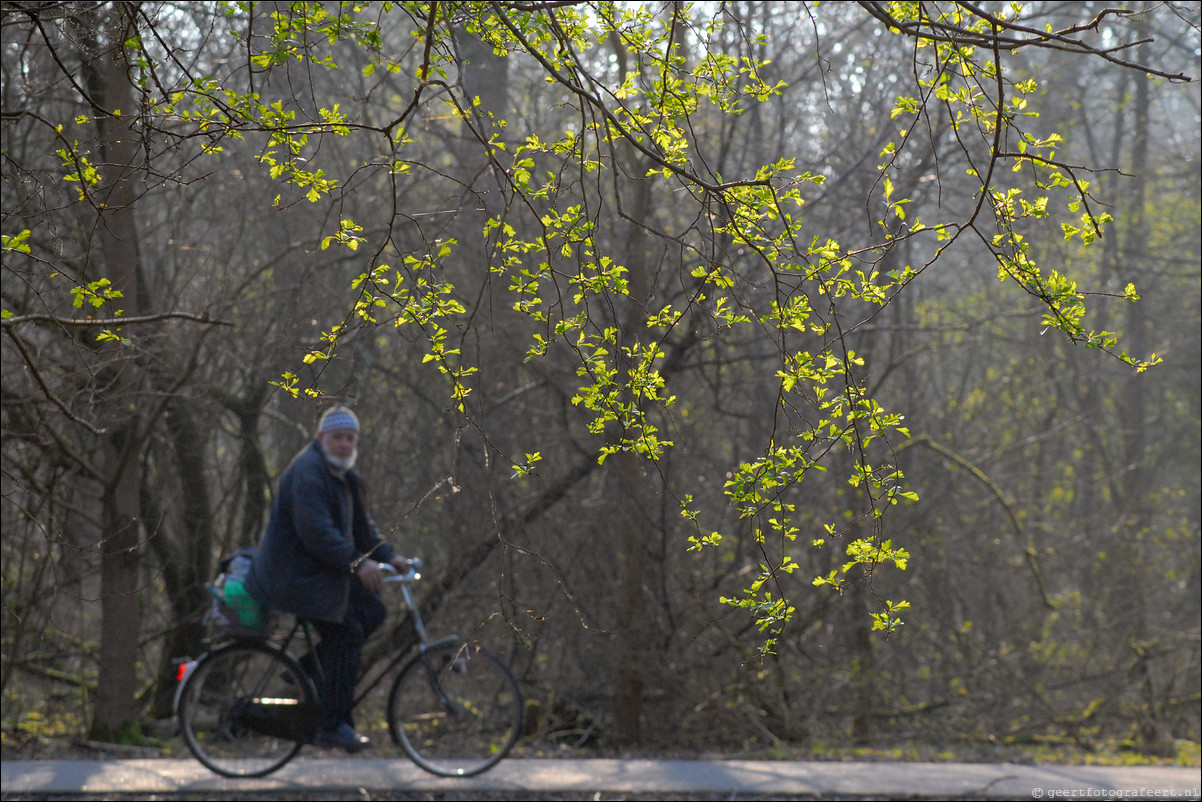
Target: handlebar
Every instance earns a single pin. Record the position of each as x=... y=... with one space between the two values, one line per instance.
x=412 y=575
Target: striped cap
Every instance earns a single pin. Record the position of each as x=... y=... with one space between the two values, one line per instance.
x=338 y=418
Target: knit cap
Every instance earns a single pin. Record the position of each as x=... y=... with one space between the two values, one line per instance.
x=338 y=417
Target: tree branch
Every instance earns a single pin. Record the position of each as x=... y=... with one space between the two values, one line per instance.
x=110 y=321
x=937 y=31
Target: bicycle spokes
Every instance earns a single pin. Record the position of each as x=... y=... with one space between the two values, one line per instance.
x=455 y=710
x=246 y=710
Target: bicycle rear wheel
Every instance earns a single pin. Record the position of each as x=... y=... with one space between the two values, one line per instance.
x=455 y=710
x=246 y=709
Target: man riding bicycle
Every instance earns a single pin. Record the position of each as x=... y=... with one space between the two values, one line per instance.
x=319 y=559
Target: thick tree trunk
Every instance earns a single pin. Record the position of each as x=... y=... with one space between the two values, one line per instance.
x=106 y=78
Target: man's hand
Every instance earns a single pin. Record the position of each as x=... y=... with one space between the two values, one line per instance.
x=401 y=564
x=369 y=574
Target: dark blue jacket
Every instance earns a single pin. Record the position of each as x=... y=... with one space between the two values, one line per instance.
x=317 y=533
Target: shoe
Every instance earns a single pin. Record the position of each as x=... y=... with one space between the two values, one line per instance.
x=344 y=738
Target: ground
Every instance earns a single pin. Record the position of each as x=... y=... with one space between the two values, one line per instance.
x=23 y=745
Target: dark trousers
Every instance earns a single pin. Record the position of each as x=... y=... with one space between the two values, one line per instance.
x=340 y=652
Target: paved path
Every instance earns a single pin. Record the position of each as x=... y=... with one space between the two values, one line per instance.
x=745 y=777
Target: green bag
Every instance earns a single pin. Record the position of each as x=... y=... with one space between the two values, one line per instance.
x=250 y=613
x=233 y=607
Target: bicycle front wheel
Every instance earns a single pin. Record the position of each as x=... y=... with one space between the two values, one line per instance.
x=456 y=710
x=246 y=709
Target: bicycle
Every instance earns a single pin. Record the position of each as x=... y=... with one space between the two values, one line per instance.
x=247 y=707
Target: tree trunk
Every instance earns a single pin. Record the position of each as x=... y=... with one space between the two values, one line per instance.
x=631 y=654
x=106 y=78
x=1153 y=732
x=185 y=561
x=633 y=502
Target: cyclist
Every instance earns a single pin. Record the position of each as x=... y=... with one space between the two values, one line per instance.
x=319 y=559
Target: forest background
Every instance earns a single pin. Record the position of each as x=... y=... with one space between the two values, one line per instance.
x=753 y=376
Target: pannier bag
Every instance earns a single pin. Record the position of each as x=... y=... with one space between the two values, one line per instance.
x=233 y=607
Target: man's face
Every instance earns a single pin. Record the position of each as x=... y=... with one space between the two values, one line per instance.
x=340 y=443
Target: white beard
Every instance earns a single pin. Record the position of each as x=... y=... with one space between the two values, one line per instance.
x=337 y=463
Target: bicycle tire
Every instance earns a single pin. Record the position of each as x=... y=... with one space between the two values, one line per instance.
x=247 y=708
x=455 y=710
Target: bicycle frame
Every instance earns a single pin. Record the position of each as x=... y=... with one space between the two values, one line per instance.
x=420 y=640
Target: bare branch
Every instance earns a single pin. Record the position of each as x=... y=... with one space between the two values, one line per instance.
x=111 y=321
x=1009 y=35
